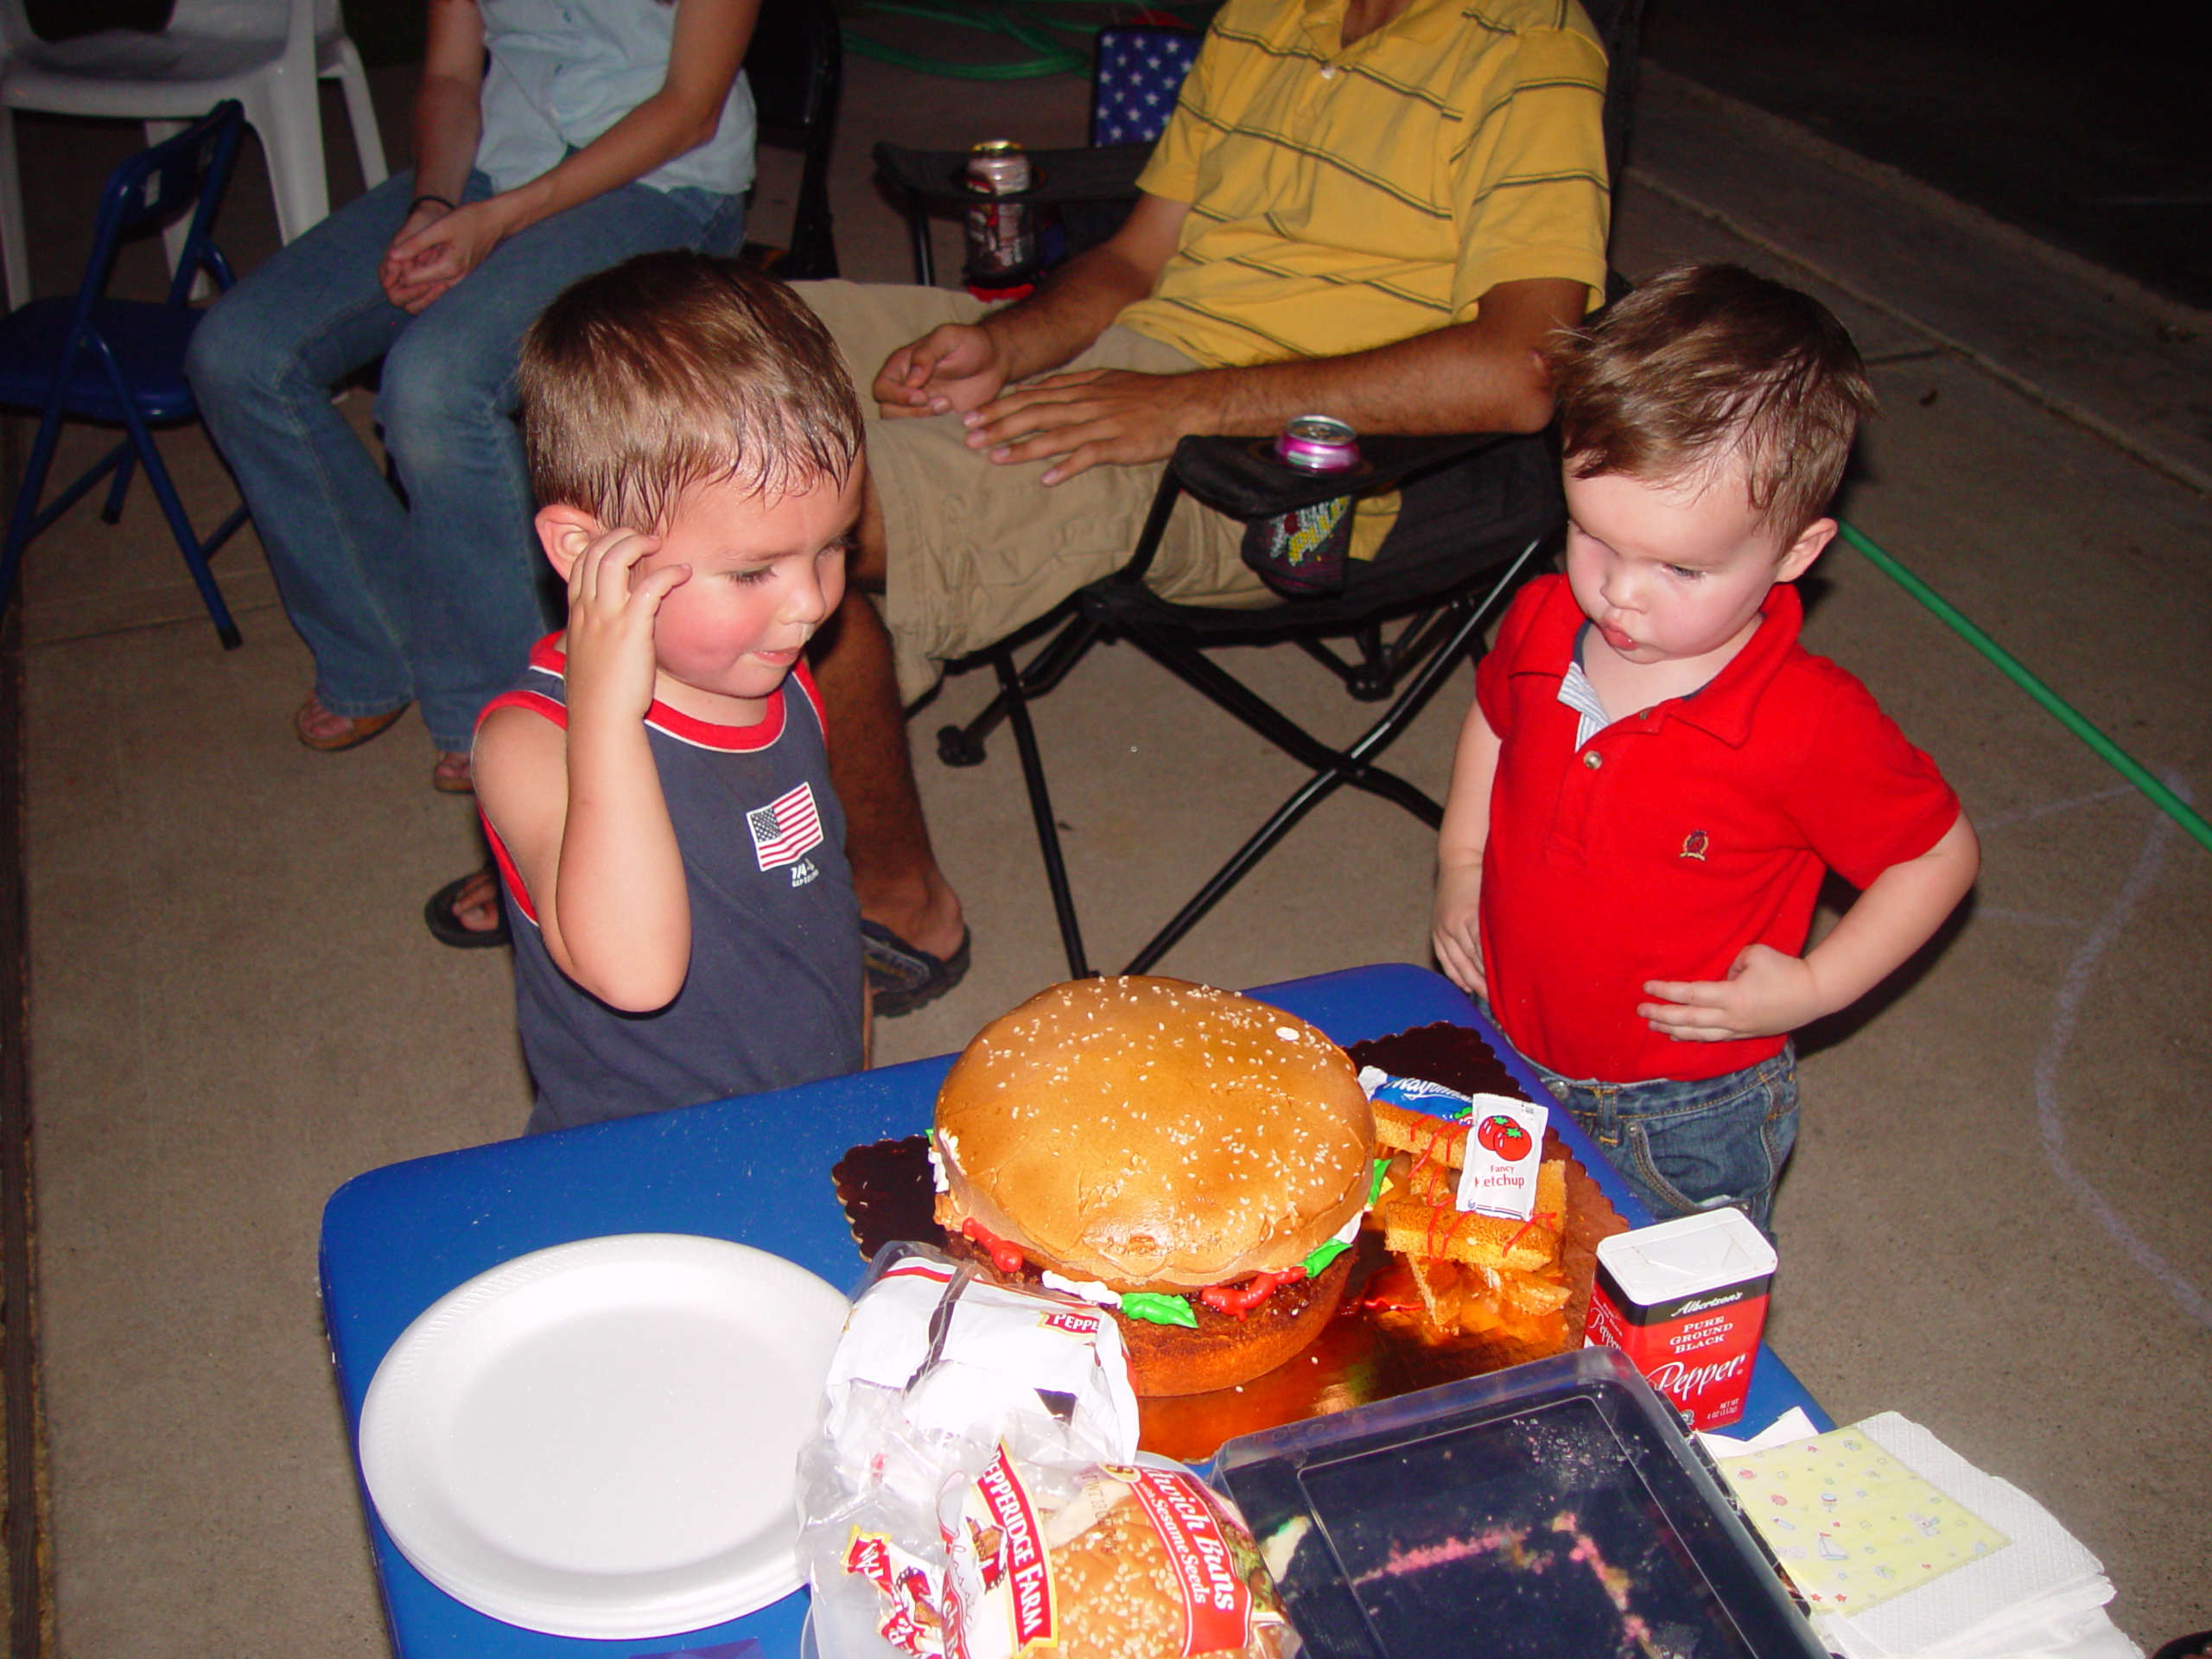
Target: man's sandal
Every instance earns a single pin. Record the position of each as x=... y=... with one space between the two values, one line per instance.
x=357 y=728
x=904 y=976
x=447 y=928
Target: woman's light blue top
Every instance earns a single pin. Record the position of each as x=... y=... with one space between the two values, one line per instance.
x=563 y=71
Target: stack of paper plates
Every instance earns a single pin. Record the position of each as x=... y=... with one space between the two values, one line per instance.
x=600 y=1439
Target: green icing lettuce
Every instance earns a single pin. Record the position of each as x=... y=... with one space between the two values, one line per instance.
x=1323 y=1255
x=1375 y=1181
x=1156 y=1309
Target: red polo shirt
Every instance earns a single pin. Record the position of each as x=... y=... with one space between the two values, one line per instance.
x=1675 y=837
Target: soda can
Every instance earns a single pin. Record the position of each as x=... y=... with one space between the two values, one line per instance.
x=1302 y=553
x=1002 y=236
x=1686 y=1302
x=1318 y=443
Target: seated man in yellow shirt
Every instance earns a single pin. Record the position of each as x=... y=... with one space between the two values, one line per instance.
x=1372 y=209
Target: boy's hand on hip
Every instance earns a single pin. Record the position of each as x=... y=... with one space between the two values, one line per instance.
x=1455 y=933
x=1766 y=993
x=610 y=636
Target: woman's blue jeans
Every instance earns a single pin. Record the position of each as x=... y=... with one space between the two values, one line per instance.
x=434 y=597
x=1687 y=1147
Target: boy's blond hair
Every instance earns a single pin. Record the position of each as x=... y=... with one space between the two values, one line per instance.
x=1706 y=365
x=676 y=369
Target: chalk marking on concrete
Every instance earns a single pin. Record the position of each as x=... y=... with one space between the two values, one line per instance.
x=2007 y=820
x=2066 y=1013
x=2027 y=917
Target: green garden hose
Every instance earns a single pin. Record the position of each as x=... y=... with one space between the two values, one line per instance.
x=2127 y=766
x=1056 y=57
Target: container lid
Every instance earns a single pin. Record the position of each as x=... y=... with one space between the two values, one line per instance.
x=1554 y=1510
x=1691 y=1253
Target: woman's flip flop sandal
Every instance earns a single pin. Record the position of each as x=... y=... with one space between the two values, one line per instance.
x=360 y=729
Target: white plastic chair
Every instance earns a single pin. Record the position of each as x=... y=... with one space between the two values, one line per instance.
x=266 y=54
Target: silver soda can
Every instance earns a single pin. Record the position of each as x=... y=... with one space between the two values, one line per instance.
x=1002 y=236
x=1303 y=552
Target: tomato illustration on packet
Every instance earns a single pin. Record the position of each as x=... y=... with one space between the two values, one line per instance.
x=1504 y=1136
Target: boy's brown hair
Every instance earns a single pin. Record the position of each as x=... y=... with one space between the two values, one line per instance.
x=1706 y=364
x=676 y=369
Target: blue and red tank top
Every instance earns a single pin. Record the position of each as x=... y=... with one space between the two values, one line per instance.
x=773 y=995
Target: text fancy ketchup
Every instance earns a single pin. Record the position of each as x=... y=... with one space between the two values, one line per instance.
x=1686 y=1300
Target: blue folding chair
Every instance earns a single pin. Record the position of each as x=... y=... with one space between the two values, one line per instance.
x=122 y=361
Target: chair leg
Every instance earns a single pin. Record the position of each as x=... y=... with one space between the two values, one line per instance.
x=196 y=558
x=917 y=235
x=112 y=512
x=1332 y=769
x=14 y=248
x=23 y=523
x=1207 y=677
x=962 y=746
x=360 y=115
x=1041 y=810
x=288 y=119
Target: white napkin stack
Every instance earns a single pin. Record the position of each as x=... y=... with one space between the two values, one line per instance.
x=2042 y=1597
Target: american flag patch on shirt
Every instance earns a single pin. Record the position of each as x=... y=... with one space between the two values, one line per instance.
x=786 y=828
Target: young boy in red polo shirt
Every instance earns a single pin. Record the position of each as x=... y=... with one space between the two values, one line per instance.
x=1655 y=775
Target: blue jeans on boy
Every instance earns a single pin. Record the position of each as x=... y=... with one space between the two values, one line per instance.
x=1688 y=1146
x=435 y=598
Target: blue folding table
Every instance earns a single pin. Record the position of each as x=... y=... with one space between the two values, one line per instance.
x=755 y=1169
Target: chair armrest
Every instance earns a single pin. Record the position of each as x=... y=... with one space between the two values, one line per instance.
x=1100 y=173
x=1243 y=478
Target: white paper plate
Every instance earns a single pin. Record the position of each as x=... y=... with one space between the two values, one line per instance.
x=600 y=1439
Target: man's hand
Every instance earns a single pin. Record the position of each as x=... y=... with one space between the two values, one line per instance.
x=1456 y=932
x=957 y=367
x=1765 y=995
x=1093 y=415
x=610 y=634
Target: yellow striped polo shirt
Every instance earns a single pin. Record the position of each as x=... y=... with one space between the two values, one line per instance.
x=1342 y=199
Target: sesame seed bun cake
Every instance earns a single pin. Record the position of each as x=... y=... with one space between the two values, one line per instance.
x=1187 y=1157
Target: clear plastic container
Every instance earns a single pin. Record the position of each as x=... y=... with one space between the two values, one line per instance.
x=1551 y=1511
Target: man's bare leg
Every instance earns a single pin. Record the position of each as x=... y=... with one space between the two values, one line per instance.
x=886 y=838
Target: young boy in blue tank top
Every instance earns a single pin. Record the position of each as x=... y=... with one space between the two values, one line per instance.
x=656 y=787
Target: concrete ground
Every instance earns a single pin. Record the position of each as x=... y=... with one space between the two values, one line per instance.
x=1999 y=1219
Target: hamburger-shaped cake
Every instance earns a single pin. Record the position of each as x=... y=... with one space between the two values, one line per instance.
x=1192 y=1160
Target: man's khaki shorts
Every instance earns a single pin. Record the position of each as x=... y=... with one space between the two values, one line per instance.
x=976 y=550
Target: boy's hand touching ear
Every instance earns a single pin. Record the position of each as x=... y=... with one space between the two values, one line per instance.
x=610 y=634
x=1765 y=995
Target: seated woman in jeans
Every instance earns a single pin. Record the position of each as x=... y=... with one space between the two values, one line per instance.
x=602 y=129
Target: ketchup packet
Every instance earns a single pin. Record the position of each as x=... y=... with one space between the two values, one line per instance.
x=1505 y=1140
x=1506 y=1143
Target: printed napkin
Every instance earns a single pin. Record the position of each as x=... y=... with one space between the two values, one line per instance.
x=1852 y=1525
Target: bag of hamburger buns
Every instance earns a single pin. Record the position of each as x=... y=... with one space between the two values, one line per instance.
x=1136 y=1561
x=977 y=1464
